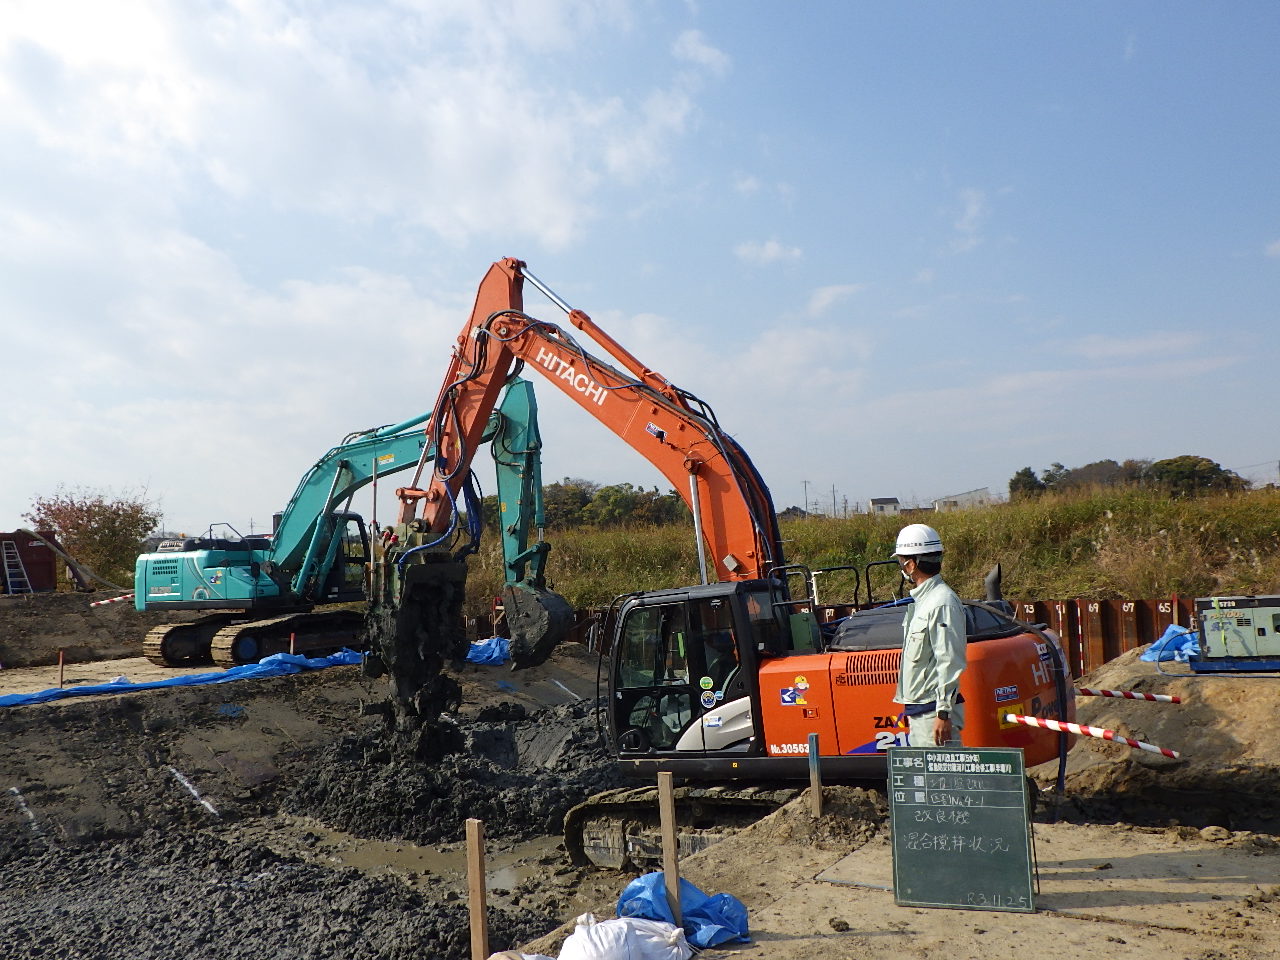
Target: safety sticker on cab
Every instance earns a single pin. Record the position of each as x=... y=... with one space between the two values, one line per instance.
x=795 y=696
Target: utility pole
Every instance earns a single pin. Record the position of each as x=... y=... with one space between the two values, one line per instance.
x=833 y=501
x=805 y=501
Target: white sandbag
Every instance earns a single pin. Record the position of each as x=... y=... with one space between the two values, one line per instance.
x=517 y=955
x=625 y=938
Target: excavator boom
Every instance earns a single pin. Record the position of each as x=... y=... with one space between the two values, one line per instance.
x=672 y=429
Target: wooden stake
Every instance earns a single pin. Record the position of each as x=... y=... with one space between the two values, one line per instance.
x=670 y=854
x=476 y=895
x=293 y=644
x=61 y=666
x=815 y=777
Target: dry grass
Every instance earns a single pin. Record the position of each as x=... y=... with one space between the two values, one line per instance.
x=1102 y=543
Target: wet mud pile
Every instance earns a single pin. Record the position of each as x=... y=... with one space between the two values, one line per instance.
x=157 y=897
x=519 y=772
x=104 y=855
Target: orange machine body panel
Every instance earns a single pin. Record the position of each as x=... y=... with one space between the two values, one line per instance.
x=847 y=699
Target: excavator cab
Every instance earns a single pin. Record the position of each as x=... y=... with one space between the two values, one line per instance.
x=684 y=663
x=348 y=558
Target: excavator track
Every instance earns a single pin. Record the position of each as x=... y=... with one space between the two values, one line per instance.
x=308 y=634
x=185 y=644
x=619 y=829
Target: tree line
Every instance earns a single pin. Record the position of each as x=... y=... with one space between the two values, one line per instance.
x=574 y=502
x=1184 y=476
x=105 y=532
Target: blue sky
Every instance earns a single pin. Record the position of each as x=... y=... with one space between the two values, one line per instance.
x=902 y=249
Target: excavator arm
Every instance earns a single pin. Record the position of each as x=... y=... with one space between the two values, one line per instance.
x=672 y=429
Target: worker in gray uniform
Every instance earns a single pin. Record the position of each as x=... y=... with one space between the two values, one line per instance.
x=933 y=642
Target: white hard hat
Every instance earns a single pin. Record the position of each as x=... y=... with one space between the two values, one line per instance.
x=916 y=539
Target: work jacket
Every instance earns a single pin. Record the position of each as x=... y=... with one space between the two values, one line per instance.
x=933 y=646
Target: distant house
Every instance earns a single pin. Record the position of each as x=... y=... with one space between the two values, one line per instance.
x=963 y=501
x=884 y=505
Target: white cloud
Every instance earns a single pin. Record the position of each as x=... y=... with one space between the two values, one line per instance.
x=692 y=47
x=968 y=224
x=746 y=184
x=1100 y=347
x=441 y=115
x=771 y=251
x=632 y=153
x=1273 y=249
x=824 y=298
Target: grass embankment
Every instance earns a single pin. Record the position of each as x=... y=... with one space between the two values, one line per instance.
x=1108 y=543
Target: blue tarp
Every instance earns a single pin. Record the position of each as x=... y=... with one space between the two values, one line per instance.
x=495 y=650
x=1177 y=643
x=278 y=665
x=707 y=920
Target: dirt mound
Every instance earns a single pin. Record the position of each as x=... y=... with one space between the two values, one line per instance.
x=35 y=626
x=850 y=817
x=520 y=772
x=1225 y=730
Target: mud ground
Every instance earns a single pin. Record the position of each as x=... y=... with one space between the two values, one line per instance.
x=266 y=817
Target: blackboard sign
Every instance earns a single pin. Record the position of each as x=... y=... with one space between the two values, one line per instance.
x=961 y=837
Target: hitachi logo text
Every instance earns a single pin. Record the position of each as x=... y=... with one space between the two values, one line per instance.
x=565 y=371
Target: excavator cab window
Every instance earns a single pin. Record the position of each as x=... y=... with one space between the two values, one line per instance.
x=346 y=576
x=711 y=625
x=653 y=701
x=765 y=611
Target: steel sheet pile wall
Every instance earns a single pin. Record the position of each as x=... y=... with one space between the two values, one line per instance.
x=1095 y=631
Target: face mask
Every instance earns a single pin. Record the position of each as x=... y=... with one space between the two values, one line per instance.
x=905 y=576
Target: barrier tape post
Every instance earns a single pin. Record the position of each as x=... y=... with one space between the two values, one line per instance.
x=1129 y=695
x=1097 y=733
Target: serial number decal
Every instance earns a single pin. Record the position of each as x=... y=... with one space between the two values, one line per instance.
x=788 y=748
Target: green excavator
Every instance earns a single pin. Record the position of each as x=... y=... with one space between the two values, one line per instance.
x=295 y=590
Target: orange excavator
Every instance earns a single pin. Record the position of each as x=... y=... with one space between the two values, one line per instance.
x=723 y=681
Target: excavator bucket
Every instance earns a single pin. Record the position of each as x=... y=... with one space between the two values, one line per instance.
x=414 y=627
x=537 y=620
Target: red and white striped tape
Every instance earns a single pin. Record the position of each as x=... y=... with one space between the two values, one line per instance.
x=98 y=603
x=1129 y=695
x=1084 y=731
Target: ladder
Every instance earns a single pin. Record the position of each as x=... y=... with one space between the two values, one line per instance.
x=15 y=574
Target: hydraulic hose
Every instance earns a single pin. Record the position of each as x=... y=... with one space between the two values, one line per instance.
x=453 y=524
